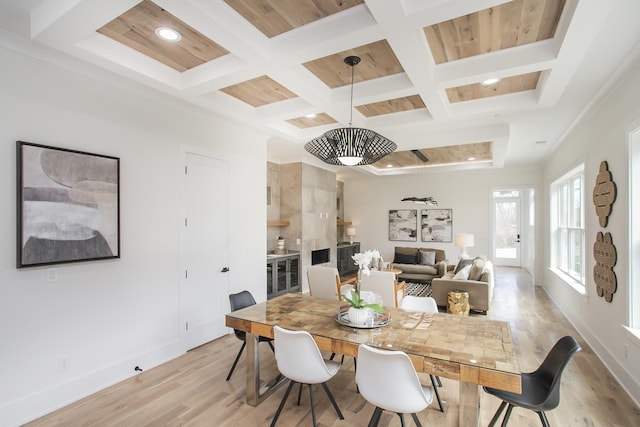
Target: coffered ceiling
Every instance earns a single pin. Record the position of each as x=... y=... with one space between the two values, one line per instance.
x=278 y=65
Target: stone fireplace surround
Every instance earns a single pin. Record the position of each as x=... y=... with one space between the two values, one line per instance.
x=305 y=196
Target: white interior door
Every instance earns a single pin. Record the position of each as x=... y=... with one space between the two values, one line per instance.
x=205 y=283
x=507 y=233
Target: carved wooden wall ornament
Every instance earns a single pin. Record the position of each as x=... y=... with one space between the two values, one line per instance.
x=604 y=193
x=604 y=251
x=606 y=257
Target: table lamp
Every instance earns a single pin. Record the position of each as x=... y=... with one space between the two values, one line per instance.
x=351 y=231
x=464 y=241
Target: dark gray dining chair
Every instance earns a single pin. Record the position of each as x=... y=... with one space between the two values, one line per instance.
x=237 y=301
x=540 y=388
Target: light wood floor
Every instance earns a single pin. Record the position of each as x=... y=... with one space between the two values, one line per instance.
x=192 y=390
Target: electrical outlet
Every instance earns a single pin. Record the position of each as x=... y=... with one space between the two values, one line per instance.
x=52 y=275
x=64 y=364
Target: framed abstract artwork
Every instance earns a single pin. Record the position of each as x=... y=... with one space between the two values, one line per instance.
x=403 y=225
x=435 y=225
x=68 y=207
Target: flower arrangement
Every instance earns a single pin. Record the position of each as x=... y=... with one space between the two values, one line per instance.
x=363 y=261
x=357 y=302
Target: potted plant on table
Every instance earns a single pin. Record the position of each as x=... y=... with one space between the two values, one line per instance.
x=358 y=312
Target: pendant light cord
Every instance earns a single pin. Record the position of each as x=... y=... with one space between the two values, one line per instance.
x=351 y=109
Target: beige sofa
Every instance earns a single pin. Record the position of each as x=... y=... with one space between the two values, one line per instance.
x=479 y=285
x=417 y=267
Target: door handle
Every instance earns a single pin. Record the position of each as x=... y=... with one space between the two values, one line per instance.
x=518 y=238
x=224 y=270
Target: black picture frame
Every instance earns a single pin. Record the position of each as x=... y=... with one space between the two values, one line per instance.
x=68 y=205
x=403 y=225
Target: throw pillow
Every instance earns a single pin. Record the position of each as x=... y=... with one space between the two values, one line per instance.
x=427 y=258
x=485 y=277
x=476 y=269
x=463 y=274
x=404 y=259
x=462 y=263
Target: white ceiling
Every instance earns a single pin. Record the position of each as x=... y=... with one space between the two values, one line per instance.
x=596 y=41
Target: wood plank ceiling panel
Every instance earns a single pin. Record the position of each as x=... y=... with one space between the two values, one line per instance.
x=378 y=60
x=309 y=122
x=511 y=24
x=136 y=29
x=465 y=153
x=274 y=17
x=259 y=91
x=397 y=105
x=512 y=84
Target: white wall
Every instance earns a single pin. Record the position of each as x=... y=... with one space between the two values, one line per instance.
x=602 y=135
x=369 y=199
x=108 y=316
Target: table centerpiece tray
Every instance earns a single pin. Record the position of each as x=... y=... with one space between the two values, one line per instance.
x=376 y=320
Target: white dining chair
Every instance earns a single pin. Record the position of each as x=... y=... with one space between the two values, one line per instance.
x=420 y=304
x=324 y=282
x=424 y=305
x=299 y=359
x=388 y=380
x=384 y=283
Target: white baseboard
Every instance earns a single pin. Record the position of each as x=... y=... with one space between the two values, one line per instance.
x=36 y=405
x=628 y=383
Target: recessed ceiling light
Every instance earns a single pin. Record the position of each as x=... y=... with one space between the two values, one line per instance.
x=310 y=116
x=471 y=159
x=389 y=165
x=489 y=82
x=168 y=34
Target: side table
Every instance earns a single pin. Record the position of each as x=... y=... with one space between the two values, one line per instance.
x=458 y=303
x=395 y=271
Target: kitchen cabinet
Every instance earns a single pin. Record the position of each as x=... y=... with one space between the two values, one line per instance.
x=283 y=274
x=345 y=261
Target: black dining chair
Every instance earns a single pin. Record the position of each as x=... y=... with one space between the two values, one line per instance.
x=541 y=388
x=237 y=301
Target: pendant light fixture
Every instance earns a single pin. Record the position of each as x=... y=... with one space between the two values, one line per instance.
x=350 y=146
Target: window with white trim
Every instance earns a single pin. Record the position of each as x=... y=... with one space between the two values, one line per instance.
x=567 y=226
x=634 y=243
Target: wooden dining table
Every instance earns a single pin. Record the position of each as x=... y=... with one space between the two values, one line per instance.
x=475 y=351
